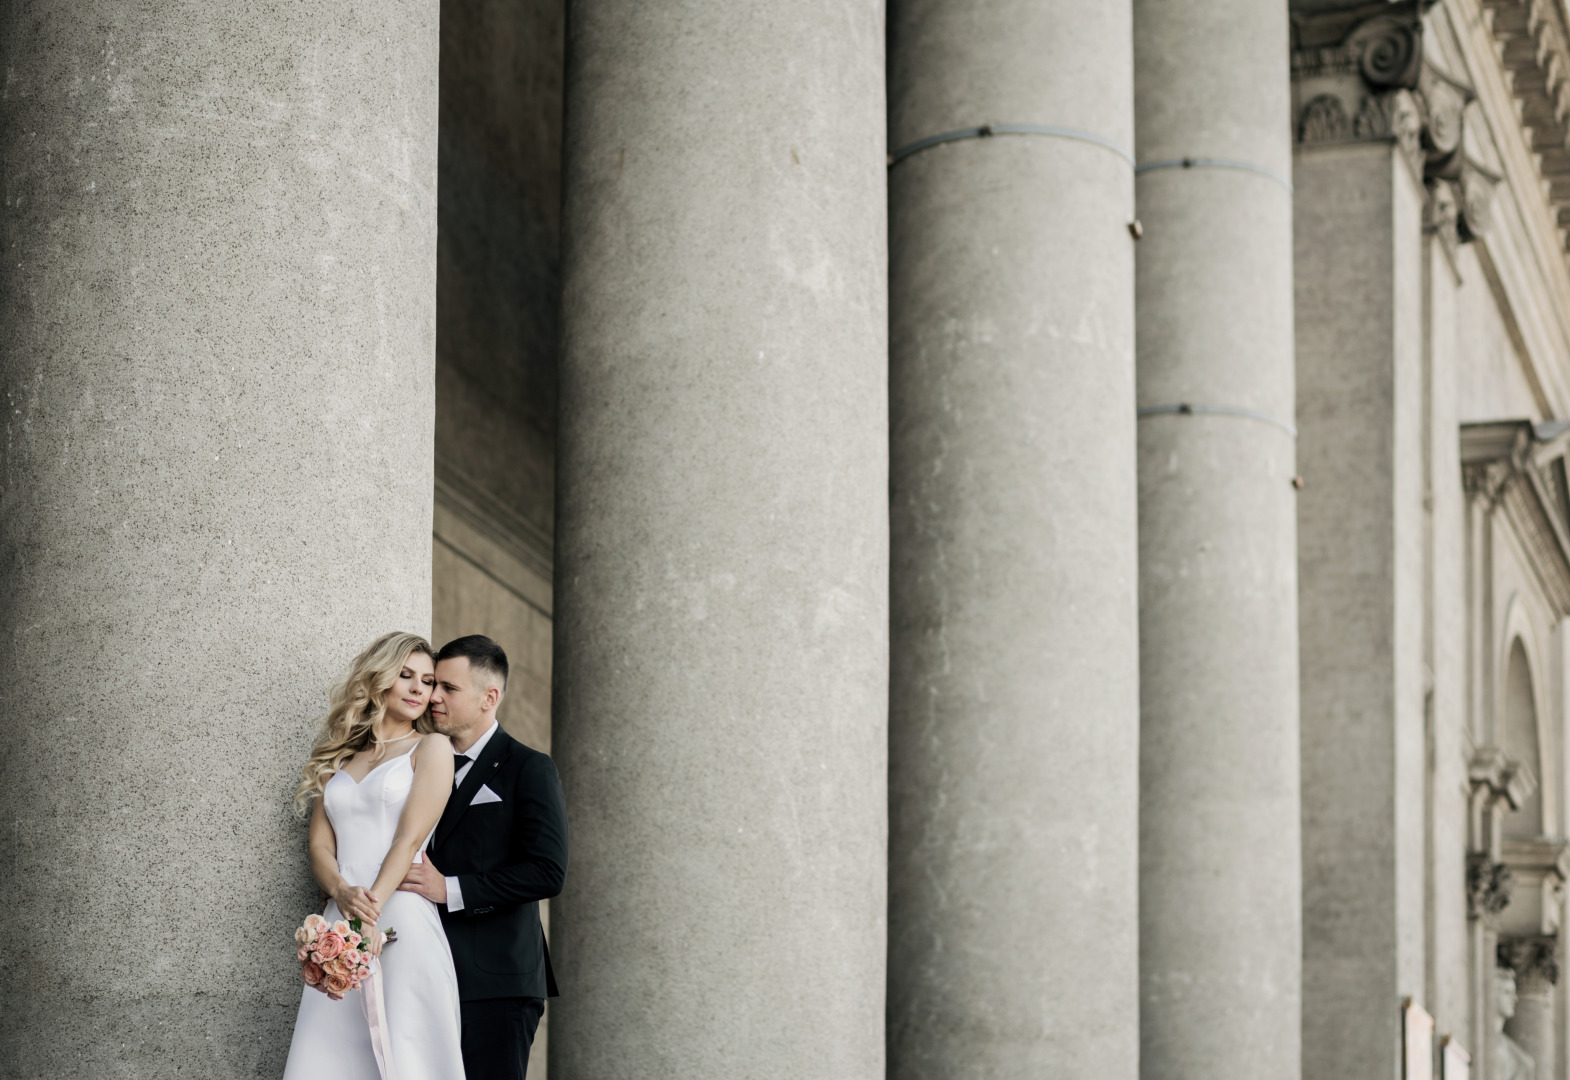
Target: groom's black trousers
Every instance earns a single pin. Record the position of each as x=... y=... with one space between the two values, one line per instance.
x=497 y=1034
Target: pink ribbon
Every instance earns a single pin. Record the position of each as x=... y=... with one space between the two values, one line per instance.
x=376 y=1018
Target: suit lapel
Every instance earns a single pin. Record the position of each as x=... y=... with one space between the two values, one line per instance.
x=480 y=772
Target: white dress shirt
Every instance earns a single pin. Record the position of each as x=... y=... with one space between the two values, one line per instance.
x=454 y=892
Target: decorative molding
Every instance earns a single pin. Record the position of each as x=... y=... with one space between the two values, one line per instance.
x=1519 y=468
x=495 y=538
x=1533 y=45
x=1488 y=886
x=1358 y=75
x=1533 y=958
x=1541 y=866
x=1499 y=784
x=1500 y=779
x=1545 y=854
x=460 y=493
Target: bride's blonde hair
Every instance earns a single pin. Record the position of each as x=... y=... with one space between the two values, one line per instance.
x=356 y=706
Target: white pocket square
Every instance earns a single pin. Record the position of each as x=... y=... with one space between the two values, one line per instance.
x=484 y=795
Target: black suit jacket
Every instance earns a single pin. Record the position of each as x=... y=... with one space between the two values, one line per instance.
x=507 y=857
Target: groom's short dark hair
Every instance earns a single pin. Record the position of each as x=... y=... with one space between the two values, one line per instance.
x=483 y=654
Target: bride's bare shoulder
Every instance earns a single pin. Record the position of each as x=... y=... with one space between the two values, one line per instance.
x=432 y=746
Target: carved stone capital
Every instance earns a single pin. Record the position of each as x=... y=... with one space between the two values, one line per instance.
x=1534 y=959
x=1488 y=885
x=1380 y=41
x=1486 y=481
x=1358 y=75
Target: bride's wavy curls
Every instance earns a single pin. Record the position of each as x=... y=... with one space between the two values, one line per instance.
x=357 y=704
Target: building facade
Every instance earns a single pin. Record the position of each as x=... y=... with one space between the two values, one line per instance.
x=1038 y=535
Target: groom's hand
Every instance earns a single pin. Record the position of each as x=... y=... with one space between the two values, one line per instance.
x=425 y=879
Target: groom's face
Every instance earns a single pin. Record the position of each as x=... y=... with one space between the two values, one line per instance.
x=458 y=700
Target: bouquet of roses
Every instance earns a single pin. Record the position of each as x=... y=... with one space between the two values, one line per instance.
x=334 y=957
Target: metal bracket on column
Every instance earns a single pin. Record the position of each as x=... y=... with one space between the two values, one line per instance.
x=988 y=130
x=1213 y=163
x=1186 y=409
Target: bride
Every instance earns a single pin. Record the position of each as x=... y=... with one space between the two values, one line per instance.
x=379 y=777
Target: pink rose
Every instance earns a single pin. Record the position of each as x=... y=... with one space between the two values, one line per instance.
x=303 y=953
x=312 y=973
x=336 y=984
x=315 y=923
x=329 y=945
x=353 y=939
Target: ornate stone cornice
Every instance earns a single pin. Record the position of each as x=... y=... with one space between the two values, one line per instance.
x=1534 y=48
x=1519 y=468
x=1541 y=866
x=1534 y=959
x=1358 y=75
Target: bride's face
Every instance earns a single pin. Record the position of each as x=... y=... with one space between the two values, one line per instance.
x=411 y=691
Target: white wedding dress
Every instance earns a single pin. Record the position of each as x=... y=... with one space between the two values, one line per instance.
x=332 y=1039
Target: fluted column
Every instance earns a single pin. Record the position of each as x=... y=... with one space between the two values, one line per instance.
x=1014 y=680
x=1220 y=895
x=721 y=606
x=216 y=337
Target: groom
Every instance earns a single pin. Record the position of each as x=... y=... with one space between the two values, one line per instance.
x=501 y=846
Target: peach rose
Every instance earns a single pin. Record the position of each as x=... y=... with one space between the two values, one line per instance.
x=312 y=973
x=341 y=928
x=336 y=984
x=315 y=923
x=329 y=945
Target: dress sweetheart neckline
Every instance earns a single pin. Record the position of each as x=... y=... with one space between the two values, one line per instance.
x=374 y=771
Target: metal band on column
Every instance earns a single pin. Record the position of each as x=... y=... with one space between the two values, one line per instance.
x=986 y=131
x=1186 y=409
x=1212 y=163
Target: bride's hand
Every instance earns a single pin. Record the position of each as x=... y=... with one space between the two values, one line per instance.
x=357 y=903
x=374 y=938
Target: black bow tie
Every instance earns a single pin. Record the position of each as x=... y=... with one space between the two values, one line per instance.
x=459 y=761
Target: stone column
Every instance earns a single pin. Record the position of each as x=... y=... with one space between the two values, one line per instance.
x=720 y=684
x=1219 y=876
x=1384 y=206
x=1014 y=681
x=216 y=335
